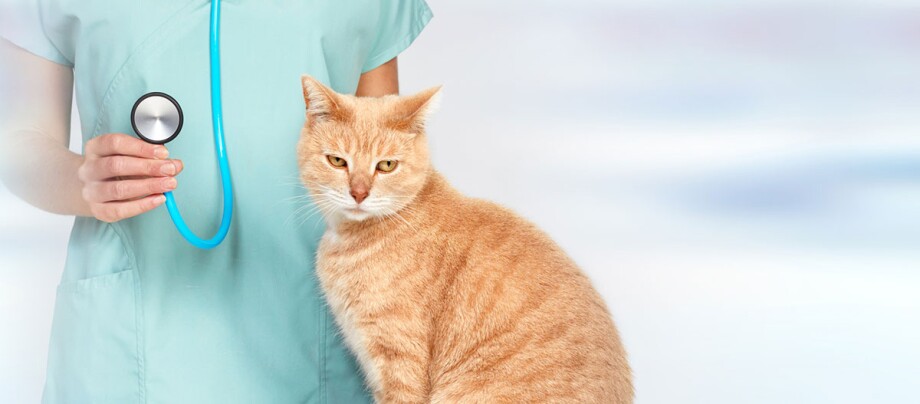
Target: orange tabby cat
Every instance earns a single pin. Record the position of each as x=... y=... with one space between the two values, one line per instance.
x=444 y=298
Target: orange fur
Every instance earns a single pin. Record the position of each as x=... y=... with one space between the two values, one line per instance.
x=445 y=298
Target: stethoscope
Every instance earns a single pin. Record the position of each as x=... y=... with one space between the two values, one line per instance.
x=157 y=118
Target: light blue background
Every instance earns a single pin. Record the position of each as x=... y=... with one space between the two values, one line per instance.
x=741 y=179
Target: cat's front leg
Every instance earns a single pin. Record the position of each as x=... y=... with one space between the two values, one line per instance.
x=403 y=372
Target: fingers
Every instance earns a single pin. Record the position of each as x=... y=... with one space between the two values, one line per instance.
x=119 y=144
x=124 y=176
x=114 y=191
x=114 y=211
x=104 y=168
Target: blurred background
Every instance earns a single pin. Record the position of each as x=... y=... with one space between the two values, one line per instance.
x=741 y=180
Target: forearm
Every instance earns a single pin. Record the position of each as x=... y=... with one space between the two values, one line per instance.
x=35 y=163
x=41 y=170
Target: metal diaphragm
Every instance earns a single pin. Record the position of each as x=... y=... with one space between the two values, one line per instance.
x=156 y=118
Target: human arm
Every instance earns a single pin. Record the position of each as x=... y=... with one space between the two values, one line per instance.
x=118 y=177
x=380 y=81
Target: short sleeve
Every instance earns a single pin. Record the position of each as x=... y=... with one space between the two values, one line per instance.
x=21 y=24
x=400 y=22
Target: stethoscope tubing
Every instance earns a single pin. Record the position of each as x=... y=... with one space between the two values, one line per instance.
x=219 y=146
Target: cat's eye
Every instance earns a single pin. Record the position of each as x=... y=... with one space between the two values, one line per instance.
x=336 y=161
x=386 y=166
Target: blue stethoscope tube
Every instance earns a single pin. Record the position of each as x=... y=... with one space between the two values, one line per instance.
x=220 y=148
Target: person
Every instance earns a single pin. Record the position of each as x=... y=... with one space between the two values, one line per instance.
x=140 y=314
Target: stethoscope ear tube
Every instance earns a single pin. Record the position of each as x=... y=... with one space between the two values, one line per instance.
x=219 y=144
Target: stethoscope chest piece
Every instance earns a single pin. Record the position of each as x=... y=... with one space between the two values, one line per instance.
x=156 y=118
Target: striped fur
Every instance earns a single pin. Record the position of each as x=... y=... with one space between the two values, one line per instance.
x=445 y=298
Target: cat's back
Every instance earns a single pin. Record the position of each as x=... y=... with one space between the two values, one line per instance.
x=480 y=222
x=520 y=320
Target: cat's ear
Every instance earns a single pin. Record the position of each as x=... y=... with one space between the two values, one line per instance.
x=410 y=113
x=323 y=104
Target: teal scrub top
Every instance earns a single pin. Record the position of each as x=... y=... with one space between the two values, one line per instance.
x=141 y=316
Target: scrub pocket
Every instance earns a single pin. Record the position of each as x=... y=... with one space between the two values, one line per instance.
x=95 y=354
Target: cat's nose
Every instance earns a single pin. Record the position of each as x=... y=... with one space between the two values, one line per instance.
x=359 y=194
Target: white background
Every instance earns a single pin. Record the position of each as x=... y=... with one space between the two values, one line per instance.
x=741 y=179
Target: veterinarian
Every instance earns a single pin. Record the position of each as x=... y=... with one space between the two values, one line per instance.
x=141 y=315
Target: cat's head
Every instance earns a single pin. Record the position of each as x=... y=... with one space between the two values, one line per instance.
x=363 y=157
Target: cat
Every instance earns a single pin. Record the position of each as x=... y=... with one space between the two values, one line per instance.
x=444 y=298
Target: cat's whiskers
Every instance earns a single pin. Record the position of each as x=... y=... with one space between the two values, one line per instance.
x=307 y=207
x=320 y=203
x=303 y=206
x=307 y=219
x=307 y=185
x=320 y=207
x=296 y=198
x=343 y=201
x=400 y=217
x=304 y=197
x=385 y=218
x=405 y=207
x=391 y=213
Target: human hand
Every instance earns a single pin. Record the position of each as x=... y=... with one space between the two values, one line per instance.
x=124 y=176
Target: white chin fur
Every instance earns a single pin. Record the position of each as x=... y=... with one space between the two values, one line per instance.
x=355 y=216
x=349 y=211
